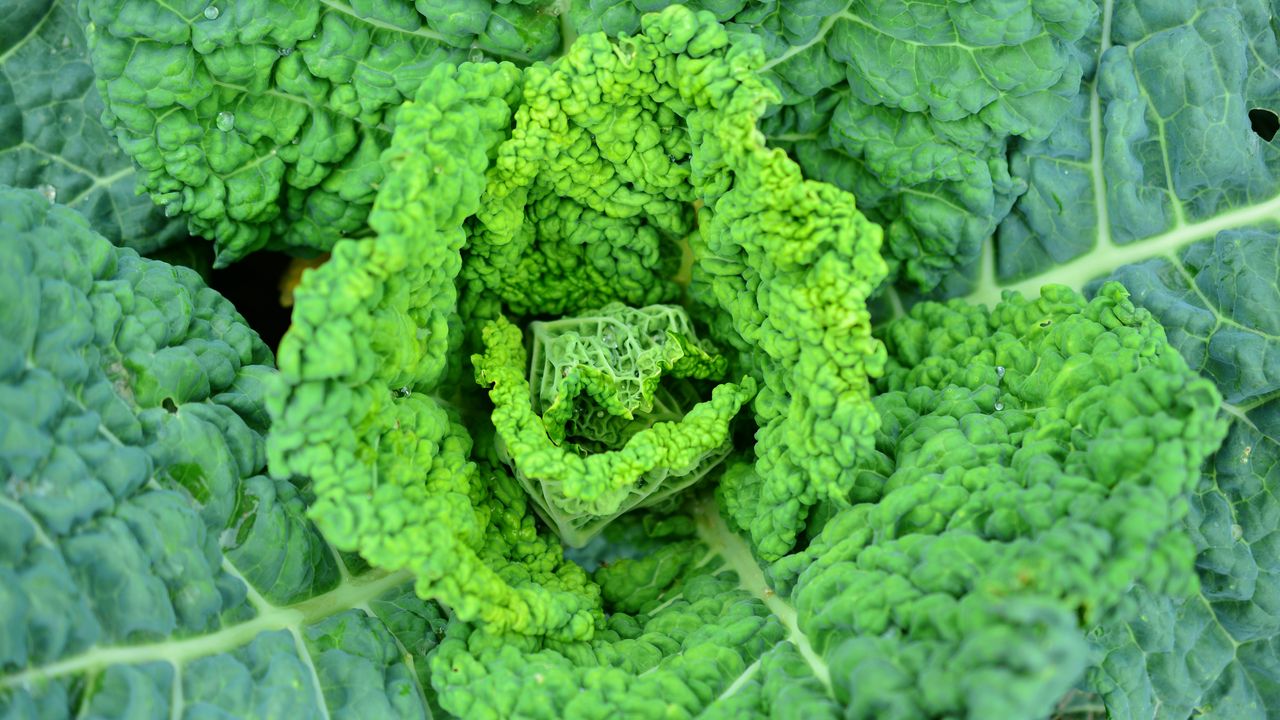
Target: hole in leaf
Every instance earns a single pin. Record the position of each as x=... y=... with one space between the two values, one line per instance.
x=169 y=405
x=192 y=477
x=1265 y=123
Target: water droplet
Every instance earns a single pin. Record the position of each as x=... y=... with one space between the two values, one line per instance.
x=1000 y=372
x=475 y=55
x=49 y=192
x=999 y=406
x=226 y=121
x=171 y=209
x=607 y=339
x=211 y=12
x=286 y=51
x=403 y=392
x=66 y=41
x=1237 y=532
x=437 y=169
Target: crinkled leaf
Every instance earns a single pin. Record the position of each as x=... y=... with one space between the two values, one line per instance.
x=601 y=376
x=579 y=491
x=368 y=363
x=912 y=105
x=50 y=136
x=262 y=122
x=147 y=568
x=1157 y=179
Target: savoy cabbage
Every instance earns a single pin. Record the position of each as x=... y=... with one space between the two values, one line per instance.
x=877 y=485
x=149 y=567
x=50 y=136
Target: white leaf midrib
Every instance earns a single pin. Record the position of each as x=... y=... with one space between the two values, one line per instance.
x=1101 y=262
x=1106 y=256
x=180 y=652
x=1098 y=177
x=737 y=556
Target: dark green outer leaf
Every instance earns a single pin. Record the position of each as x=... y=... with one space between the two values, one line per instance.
x=1157 y=180
x=911 y=105
x=147 y=569
x=50 y=135
x=262 y=122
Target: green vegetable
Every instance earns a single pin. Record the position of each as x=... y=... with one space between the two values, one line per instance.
x=148 y=569
x=365 y=364
x=602 y=376
x=994 y=525
x=561 y=270
x=50 y=136
x=373 y=334
x=1157 y=179
x=911 y=105
x=578 y=491
x=886 y=540
x=263 y=122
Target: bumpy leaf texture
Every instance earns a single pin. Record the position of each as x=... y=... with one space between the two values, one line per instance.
x=992 y=527
x=605 y=374
x=988 y=528
x=1158 y=180
x=50 y=135
x=579 y=489
x=373 y=334
x=912 y=105
x=262 y=122
x=148 y=569
x=366 y=366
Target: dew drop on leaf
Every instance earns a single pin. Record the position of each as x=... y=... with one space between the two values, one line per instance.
x=226 y=121
x=211 y=12
x=49 y=192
